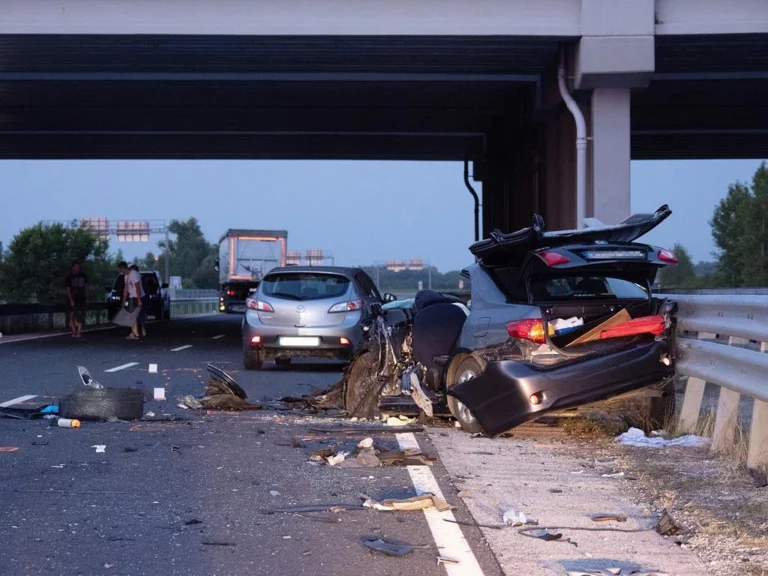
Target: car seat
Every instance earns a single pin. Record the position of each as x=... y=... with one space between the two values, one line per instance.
x=436 y=330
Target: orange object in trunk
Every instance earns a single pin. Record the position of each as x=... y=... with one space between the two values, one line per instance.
x=645 y=325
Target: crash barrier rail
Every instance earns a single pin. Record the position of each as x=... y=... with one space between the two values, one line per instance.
x=184 y=294
x=188 y=307
x=25 y=318
x=722 y=339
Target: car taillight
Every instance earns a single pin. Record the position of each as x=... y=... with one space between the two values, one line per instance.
x=531 y=329
x=350 y=306
x=230 y=292
x=259 y=306
x=667 y=256
x=552 y=258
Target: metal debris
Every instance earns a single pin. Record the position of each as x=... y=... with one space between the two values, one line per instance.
x=546 y=535
x=386 y=546
x=666 y=525
x=421 y=502
x=608 y=518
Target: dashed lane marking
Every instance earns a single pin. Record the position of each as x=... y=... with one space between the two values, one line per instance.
x=219 y=337
x=18 y=400
x=447 y=536
x=123 y=367
x=180 y=348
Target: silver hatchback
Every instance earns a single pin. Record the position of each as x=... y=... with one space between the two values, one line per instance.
x=302 y=311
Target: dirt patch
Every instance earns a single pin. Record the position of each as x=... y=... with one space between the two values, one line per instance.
x=722 y=514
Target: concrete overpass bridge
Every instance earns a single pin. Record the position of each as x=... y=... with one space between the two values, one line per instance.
x=365 y=79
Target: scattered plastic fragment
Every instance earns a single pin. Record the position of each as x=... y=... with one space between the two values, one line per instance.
x=274 y=493
x=636 y=437
x=337 y=458
x=546 y=535
x=87 y=379
x=614 y=475
x=386 y=546
x=366 y=443
x=9 y=448
x=100 y=448
x=608 y=518
x=421 y=502
x=511 y=517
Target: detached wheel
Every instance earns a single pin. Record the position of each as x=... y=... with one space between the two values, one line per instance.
x=467 y=369
x=282 y=362
x=253 y=359
x=360 y=387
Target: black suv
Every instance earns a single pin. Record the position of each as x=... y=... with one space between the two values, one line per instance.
x=159 y=305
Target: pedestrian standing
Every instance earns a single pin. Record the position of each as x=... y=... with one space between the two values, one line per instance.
x=76 y=287
x=132 y=293
x=141 y=321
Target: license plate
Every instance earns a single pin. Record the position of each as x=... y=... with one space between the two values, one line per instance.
x=299 y=341
x=238 y=308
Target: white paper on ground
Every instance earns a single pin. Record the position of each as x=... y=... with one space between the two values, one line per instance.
x=636 y=437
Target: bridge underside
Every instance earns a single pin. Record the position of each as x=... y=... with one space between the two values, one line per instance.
x=404 y=98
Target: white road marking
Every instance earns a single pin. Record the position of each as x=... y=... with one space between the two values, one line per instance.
x=123 y=367
x=219 y=337
x=18 y=400
x=448 y=536
x=180 y=348
x=153 y=368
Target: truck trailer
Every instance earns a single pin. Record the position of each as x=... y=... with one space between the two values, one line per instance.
x=245 y=256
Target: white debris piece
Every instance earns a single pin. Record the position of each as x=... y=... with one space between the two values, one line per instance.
x=99 y=447
x=367 y=443
x=337 y=458
x=636 y=437
x=274 y=493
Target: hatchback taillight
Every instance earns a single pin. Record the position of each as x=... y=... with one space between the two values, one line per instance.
x=531 y=329
x=552 y=258
x=350 y=306
x=667 y=256
x=259 y=306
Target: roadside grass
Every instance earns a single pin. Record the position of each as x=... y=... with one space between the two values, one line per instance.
x=594 y=424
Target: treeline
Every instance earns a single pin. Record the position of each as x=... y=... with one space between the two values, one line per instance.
x=35 y=263
x=740 y=232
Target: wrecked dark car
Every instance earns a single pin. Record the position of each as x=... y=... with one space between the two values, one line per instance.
x=556 y=320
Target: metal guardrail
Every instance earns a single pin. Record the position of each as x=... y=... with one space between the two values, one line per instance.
x=183 y=294
x=722 y=339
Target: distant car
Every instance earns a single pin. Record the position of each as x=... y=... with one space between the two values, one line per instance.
x=301 y=311
x=159 y=305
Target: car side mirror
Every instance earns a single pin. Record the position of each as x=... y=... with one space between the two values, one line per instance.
x=388 y=297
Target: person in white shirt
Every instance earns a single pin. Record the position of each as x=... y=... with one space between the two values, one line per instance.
x=131 y=295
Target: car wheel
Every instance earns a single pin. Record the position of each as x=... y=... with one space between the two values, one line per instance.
x=360 y=387
x=467 y=369
x=253 y=358
x=282 y=361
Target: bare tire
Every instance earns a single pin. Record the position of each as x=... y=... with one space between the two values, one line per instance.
x=103 y=404
x=467 y=369
x=253 y=359
x=361 y=387
x=282 y=362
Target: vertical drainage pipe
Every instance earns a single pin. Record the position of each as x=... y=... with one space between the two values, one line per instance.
x=474 y=195
x=581 y=144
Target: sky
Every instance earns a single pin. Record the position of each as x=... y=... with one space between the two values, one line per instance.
x=363 y=212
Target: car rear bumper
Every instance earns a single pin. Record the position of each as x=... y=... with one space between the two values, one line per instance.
x=329 y=346
x=500 y=397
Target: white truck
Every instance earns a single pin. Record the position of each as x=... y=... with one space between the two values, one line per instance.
x=245 y=256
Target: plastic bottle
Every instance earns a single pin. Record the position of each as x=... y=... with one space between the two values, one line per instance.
x=67 y=423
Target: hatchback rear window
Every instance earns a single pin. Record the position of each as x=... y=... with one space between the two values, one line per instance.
x=551 y=289
x=305 y=286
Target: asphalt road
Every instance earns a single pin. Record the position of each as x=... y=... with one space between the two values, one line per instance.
x=141 y=507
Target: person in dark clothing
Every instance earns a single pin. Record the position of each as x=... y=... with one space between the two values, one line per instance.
x=78 y=296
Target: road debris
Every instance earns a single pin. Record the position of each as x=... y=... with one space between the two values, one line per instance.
x=420 y=502
x=363 y=429
x=337 y=458
x=221 y=393
x=386 y=546
x=399 y=421
x=666 y=525
x=87 y=379
x=9 y=448
x=100 y=448
x=68 y=423
x=636 y=437
x=213 y=543
x=336 y=508
x=616 y=572
x=546 y=535
x=608 y=518
x=446 y=560
x=274 y=493
x=511 y=517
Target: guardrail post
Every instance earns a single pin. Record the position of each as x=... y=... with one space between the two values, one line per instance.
x=727 y=412
x=694 y=395
x=757 y=454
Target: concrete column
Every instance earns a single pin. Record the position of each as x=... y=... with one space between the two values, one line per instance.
x=608 y=196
